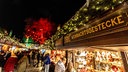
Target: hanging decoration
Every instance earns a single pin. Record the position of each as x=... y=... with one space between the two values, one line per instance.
x=40 y=30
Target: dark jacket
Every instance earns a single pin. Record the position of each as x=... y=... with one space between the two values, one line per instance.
x=52 y=67
x=47 y=60
x=2 y=60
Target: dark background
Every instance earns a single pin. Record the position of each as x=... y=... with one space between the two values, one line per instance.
x=14 y=12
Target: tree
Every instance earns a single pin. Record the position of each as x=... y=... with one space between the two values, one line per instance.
x=40 y=30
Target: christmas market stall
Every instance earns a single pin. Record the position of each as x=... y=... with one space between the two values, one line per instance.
x=101 y=44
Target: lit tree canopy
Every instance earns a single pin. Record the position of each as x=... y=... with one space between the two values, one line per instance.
x=39 y=30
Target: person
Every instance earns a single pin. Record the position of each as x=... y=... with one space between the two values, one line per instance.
x=70 y=67
x=23 y=63
x=60 y=65
x=38 y=58
x=1 y=60
x=52 y=67
x=29 y=57
x=42 y=59
x=47 y=62
x=33 y=57
x=7 y=54
x=19 y=55
x=84 y=70
x=10 y=63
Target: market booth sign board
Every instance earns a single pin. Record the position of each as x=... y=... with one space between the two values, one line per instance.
x=59 y=42
x=110 y=23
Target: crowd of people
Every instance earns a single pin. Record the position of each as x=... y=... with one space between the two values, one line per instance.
x=11 y=61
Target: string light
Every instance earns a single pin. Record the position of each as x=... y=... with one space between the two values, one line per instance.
x=9 y=40
x=93 y=7
x=106 y=8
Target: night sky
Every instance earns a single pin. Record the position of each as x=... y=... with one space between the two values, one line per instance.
x=14 y=12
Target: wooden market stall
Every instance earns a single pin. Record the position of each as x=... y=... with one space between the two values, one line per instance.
x=100 y=44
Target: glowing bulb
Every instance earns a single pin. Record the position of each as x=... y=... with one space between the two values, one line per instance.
x=106 y=8
x=97 y=2
x=120 y=1
x=87 y=17
x=93 y=7
x=76 y=18
x=75 y=29
x=97 y=8
x=112 y=7
x=85 y=9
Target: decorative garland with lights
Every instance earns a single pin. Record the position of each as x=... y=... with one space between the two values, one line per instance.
x=10 y=40
x=6 y=39
x=89 y=11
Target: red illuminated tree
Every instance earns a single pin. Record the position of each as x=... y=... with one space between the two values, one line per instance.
x=39 y=30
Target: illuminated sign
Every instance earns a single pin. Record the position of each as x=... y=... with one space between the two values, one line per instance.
x=113 y=22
